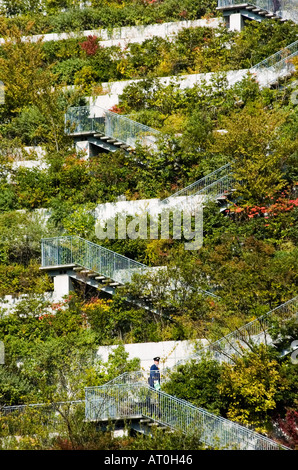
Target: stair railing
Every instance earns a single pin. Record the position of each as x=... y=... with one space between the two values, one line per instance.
x=214 y=184
x=282 y=8
x=232 y=345
x=76 y=250
x=277 y=65
x=94 y=119
x=137 y=400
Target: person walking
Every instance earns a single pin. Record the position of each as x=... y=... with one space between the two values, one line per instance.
x=152 y=400
x=154 y=378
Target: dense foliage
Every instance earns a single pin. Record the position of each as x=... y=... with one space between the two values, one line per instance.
x=101 y=13
x=249 y=254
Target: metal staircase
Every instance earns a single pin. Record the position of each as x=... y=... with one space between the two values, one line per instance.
x=260 y=10
x=253 y=333
x=215 y=186
x=87 y=262
x=91 y=264
x=277 y=66
x=107 y=130
x=129 y=398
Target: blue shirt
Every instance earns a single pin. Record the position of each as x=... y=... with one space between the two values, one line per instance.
x=154 y=375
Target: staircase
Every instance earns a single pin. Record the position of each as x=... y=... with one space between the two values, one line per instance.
x=108 y=130
x=215 y=186
x=231 y=346
x=87 y=262
x=91 y=264
x=129 y=398
x=259 y=10
x=279 y=65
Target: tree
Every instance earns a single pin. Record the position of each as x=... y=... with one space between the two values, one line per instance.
x=197 y=382
x=251 y=141
x=29 y=89
x=21 y=69
x=250 y=389
x=289 y=428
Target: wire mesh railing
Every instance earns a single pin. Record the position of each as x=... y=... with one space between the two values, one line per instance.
x=214 y=184
x=279 y=56
x=38 y=419
x=136 y=400
x=285 y=9
x=70 y=250
x=255 y=332
x=274 y=6
x=94 y=119
x=277 y=65
x=73 y=250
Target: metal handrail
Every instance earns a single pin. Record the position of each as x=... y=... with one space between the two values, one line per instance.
x=278 y=64
x=129 y=396
x=282 y=8
x=94 y=119
x=230 y=346
x=267 y=5
x=136 y=400
x=76 y=250
x=200 y=185
x=283 y=54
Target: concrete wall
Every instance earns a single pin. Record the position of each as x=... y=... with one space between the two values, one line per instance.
x=152 y=207
x=112 y=90
x=8 y=303
x=170 y=352
x=236 y=22
x=127 y=34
